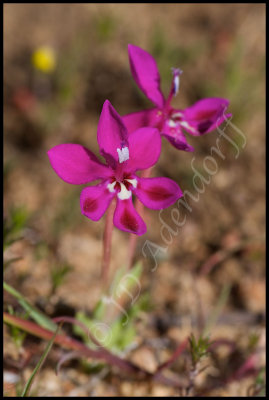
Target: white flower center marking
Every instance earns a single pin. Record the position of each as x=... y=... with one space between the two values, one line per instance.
x=124 y=194
x=175 y=119
x=177 y=115
x=123 y=154
x=186 y=125
x=111 y=186
x=132 y=182
x=172 y=123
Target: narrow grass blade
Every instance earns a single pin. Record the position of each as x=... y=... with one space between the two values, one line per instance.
x=39 y=364
x=33 y=312
x=224 y=295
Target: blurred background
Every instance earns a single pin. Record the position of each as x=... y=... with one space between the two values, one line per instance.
x=61 y=61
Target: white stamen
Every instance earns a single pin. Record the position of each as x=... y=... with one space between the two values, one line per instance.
x=111 y=186
x=186 y=125
x=176 y=84
x=123 y=154
x=176 y=80
x=124 y=194
x=132 y=182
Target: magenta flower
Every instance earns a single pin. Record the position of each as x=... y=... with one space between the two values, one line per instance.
x=202 y=117
x=125 y=155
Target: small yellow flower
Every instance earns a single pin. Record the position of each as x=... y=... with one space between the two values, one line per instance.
x=44 y=59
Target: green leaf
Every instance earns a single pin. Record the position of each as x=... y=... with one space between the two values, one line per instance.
x=58 y=273
x=99 y=310
x=17 y=334
x=14 y=224
x=125 y=282
x=199 y=348
x=82 y=317
x=121 y=334
x=33 y=312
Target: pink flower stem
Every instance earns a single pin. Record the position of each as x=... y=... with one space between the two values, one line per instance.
x=107 y=239
x=140 y=209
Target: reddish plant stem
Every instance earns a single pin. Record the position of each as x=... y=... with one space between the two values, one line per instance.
x=80 y=348
x=42 y=333
x=107 y=239
x=179 y=350
x=74 y=321
x=220 y=256
x=140 y=209
x=246 y=369
x=71 y=344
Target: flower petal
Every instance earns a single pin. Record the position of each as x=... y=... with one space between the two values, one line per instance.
x=204 y=116
x=223 y=118
x=180 y=144
x=144 y=149
x=112 y=134
x=176 y=137
x=141 y=119
x=75 y=164
x=146 y=74
x=127 y=219
x=157 y=193
x=94 y=201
